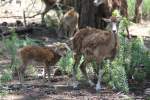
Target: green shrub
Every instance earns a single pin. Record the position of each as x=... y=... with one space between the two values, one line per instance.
x=66 y=63
x=115 y=73
x=6 y=76
x=139 y=75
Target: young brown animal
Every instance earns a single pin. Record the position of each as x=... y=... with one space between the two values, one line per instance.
x=48 y=56
x=69 y=23
x=95 y=45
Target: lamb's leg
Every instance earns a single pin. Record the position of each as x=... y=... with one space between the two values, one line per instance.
x=21 y=73
x=83 y=70
x=48 y=72
x=100 y=73
x=77 y=61
x=44 y=77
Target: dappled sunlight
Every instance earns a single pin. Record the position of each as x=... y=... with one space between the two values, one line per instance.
x=142 y=29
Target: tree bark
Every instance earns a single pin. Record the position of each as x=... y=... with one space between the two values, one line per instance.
x=138 y=11
x=124 y=8
x=87 y=14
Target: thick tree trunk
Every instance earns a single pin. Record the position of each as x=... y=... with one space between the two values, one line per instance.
x=87 y=14
x=124 y=8
x=138 y=11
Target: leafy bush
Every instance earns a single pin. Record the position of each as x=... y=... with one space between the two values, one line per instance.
x=6 y=76
x=115 y=73
x=139 y=75
x=66 y=63
x=11 y=47
x=131 y=55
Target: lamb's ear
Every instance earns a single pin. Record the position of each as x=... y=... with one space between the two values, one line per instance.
x=54 y=48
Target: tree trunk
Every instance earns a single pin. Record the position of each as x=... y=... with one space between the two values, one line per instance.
x=138 y=11
x=87 y=14
x=124 y=8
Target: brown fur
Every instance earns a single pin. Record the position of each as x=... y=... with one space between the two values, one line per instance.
x=43 y=55
x=69 y=23
x=93 y=44
x=93 y=38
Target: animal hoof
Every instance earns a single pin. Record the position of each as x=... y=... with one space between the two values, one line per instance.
x=98 y=88
x=91 y=83
x=76 y=88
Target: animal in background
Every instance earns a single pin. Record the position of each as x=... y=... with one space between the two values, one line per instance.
x=44 y=55
x=69 y=24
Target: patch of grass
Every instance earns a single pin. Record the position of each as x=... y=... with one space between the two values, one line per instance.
x=131 y=7
x=66 y=63
x=6 y=76
x=145 y=8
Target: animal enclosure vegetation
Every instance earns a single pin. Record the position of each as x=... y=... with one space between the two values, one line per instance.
x=130 y=67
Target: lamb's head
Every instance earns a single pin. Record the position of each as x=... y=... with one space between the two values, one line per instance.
x=60 y=48
x=113 y=24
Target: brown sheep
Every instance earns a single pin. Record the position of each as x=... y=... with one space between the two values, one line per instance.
x=69 y=23
x=93 y=44
x=47 y=56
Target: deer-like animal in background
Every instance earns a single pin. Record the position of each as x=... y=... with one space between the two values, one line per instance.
x=69 y=23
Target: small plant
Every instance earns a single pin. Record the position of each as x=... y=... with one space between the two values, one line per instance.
x=66 y=63
x=3 y=93
x=139 y=75
x=6 y=76
x=115 y=75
